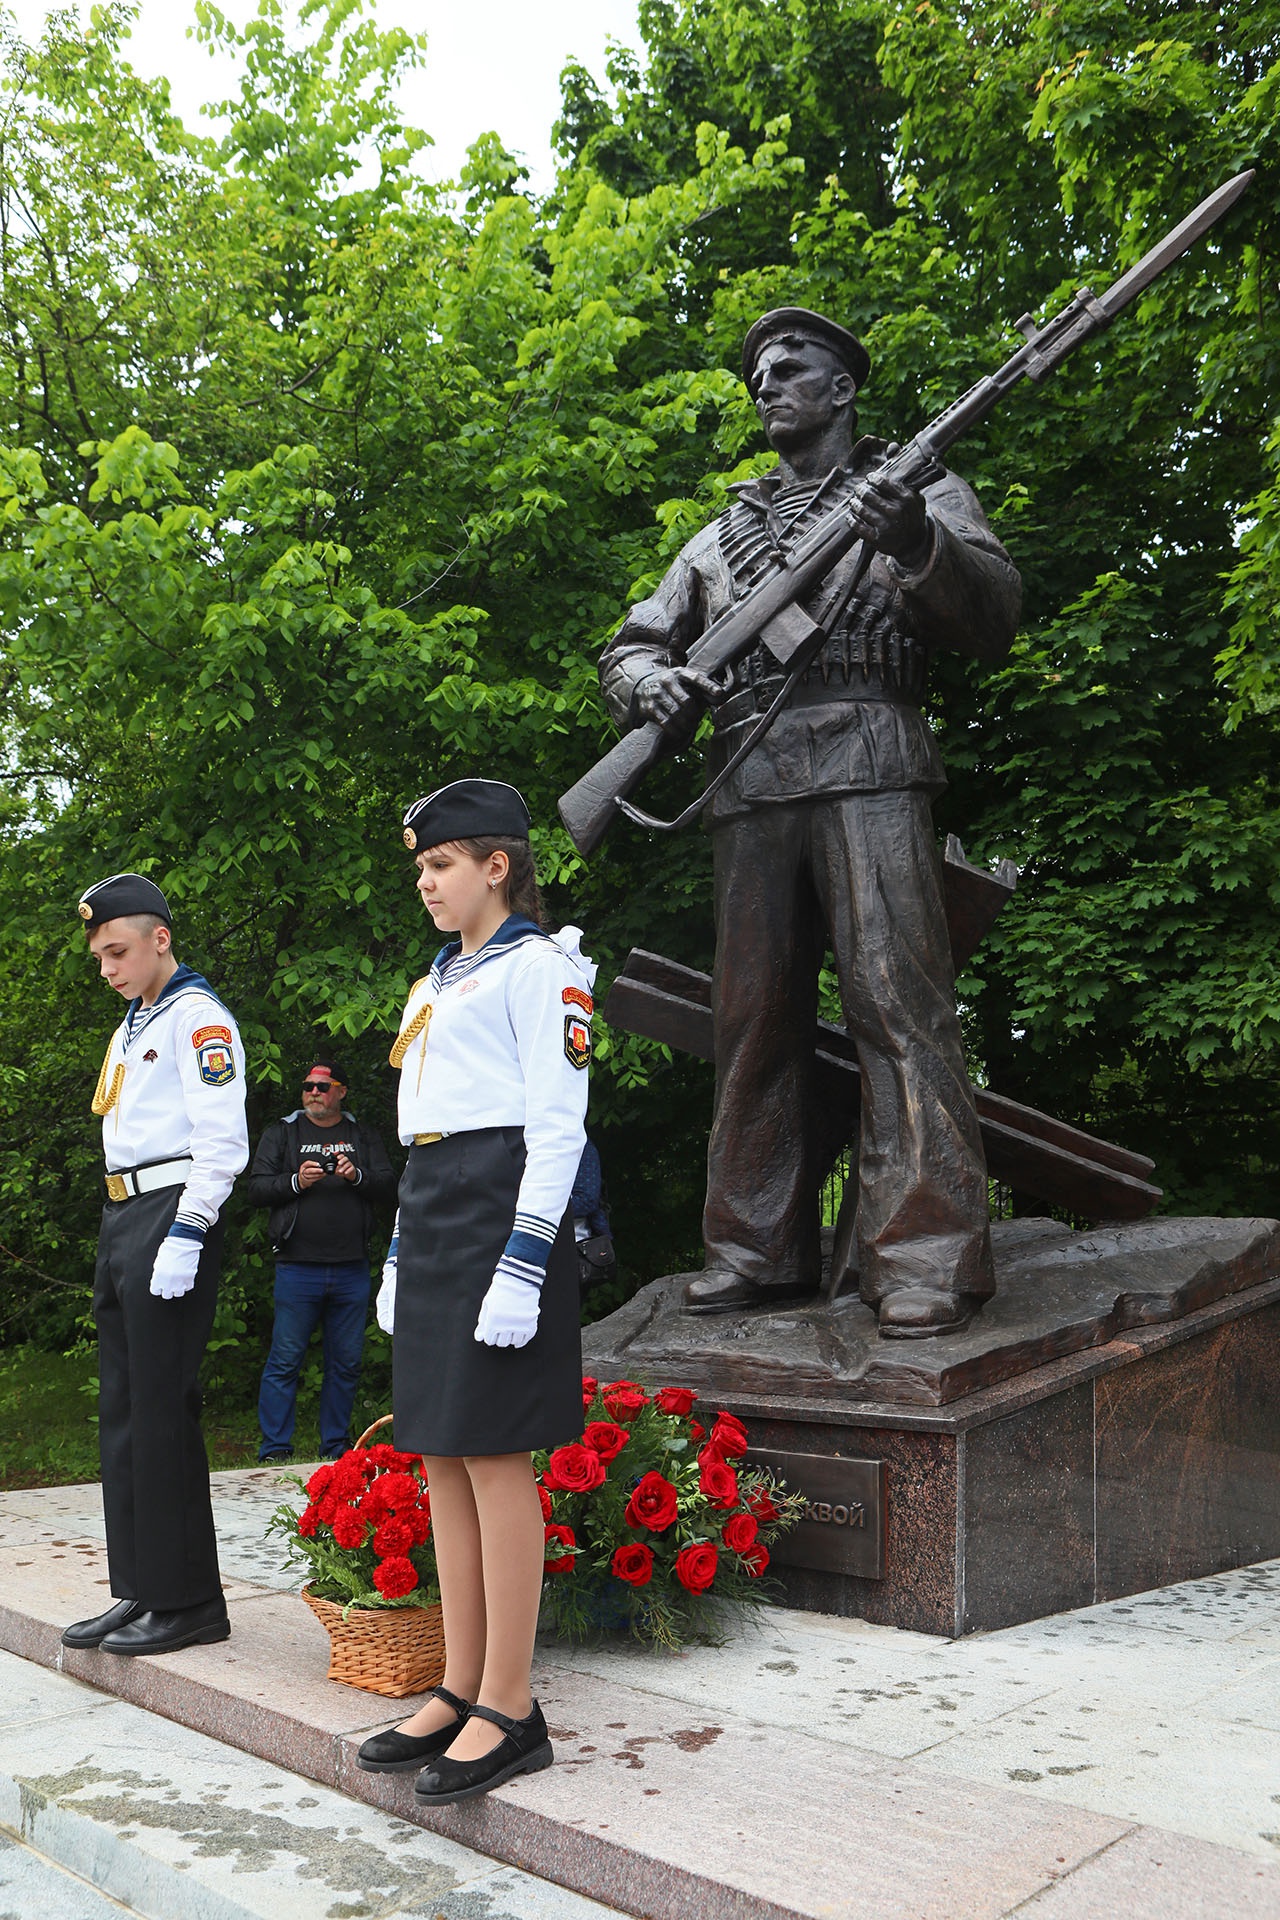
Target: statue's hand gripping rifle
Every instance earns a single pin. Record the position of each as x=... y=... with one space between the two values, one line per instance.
x=770 y=611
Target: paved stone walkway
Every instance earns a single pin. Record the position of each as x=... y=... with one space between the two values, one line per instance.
x=1120 y=1760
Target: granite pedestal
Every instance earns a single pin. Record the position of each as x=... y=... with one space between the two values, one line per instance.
x=1110 y=1423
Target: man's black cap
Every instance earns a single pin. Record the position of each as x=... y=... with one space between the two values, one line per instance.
x=325 y=1063
x=466 y=810
x=121 y=894
x=797 y=322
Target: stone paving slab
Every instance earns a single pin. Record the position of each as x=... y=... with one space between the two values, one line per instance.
x=170 y=1822
x=30 y=1885
x=793 y=1771
x=1164 y=1874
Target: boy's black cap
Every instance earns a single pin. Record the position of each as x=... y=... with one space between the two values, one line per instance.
x=783 y=322
x=120 y=894
x=466 y=810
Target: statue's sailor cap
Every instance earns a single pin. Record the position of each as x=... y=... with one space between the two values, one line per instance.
x=120 y=894
x=783 y=323
x=466 y=810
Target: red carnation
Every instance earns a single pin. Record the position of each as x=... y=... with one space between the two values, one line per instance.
x=397 y=1490
x=728 y=1436
x=348 y=1527
x=320 y=1479
x=696 y=1566
x=756 y=1560
x=653 y=1504
x=623 y=1399
x=633 y=1563
x=395 y=1577
x=545 y=1498
x=605 y=1439
x=346 y=1481
x=393 y=1537
x=574 y=1469
x=418 y=1522
x=563 y=1537
x=717 y=1480
x=675 y=1400
x=308 y=1522
x=740 y=1531
x=760 y=1501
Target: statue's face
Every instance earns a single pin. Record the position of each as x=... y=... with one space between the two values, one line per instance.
x=799 y=389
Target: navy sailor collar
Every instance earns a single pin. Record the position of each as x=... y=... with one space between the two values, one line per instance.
x=515 y=930
x=184 y=980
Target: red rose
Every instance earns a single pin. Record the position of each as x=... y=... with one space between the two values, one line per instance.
x=760 y=1501
x=675 y=1400
x=589 y=1387
x=545 y=1498
x=740 y=1531
x=574 y=1469
x=393 y=1537
x=697 y=1430
x=561 y=1536
x=696 y=1566
x=623 y=1399
x=633 y=1563
x=348 y=1527
x=395 y=1577
x=308 y=1522
x=728 y=1436
x=756 y=1560
x=717 y=1480
x=605 y=1439
x=653 y=1504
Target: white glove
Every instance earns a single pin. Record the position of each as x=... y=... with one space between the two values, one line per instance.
x=384 y=1311
x=508 y=1312
x=174 y=1272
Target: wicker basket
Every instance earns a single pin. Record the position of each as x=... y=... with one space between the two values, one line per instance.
x=388 y=1650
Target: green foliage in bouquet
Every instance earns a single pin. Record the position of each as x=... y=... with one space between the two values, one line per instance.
x=365 y=1532
x=653 y=1524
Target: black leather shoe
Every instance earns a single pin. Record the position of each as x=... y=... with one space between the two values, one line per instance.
x=720 y=1291
x=396 y=1752
x=917 y=1313
x=524 y=1748
x=92 y=1633
x=164 y=1631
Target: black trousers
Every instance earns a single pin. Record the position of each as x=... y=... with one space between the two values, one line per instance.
x=864 y=871
x=161 y=1548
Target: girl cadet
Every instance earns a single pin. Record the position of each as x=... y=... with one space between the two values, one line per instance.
x=482 y=1280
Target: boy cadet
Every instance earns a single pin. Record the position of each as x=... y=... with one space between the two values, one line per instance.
x=171 y=1097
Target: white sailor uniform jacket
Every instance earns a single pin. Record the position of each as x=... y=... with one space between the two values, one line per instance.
x=502 y=1038
x=172 y=1086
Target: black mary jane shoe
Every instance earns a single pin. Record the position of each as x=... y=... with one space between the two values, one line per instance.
x=166 y=1630
x=396 y=1752
x=524 y=1748
x=92 y=1633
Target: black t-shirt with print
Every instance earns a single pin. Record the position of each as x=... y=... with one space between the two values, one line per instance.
x=330 y=1226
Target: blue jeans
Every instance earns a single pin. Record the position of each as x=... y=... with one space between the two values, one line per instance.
x=305 y=1295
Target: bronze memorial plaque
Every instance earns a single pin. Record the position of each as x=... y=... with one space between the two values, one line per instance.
x=843 y=1528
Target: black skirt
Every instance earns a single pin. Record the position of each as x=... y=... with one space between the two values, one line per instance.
x=451 y=1394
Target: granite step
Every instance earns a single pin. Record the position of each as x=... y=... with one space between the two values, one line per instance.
x=106 y=1809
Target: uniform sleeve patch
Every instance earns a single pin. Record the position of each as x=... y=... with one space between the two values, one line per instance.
x=577 y=997
x=216 y=1060
x=202 y=1034
x=577 y=1040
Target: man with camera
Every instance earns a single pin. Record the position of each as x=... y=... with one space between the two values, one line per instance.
x=320 y=1172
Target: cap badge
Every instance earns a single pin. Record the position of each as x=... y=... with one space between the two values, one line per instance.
x=85 y=910
x=410 y=840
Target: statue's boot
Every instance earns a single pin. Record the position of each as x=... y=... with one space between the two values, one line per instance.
x=917 y=1313
x=719 y=1290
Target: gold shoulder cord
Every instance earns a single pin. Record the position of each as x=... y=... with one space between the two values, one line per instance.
x=406 y=1037
x=104 y=1096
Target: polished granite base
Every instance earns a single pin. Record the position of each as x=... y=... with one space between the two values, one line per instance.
x=1150 y=1457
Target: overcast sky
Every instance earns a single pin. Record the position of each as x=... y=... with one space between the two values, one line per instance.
x=490 y=63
